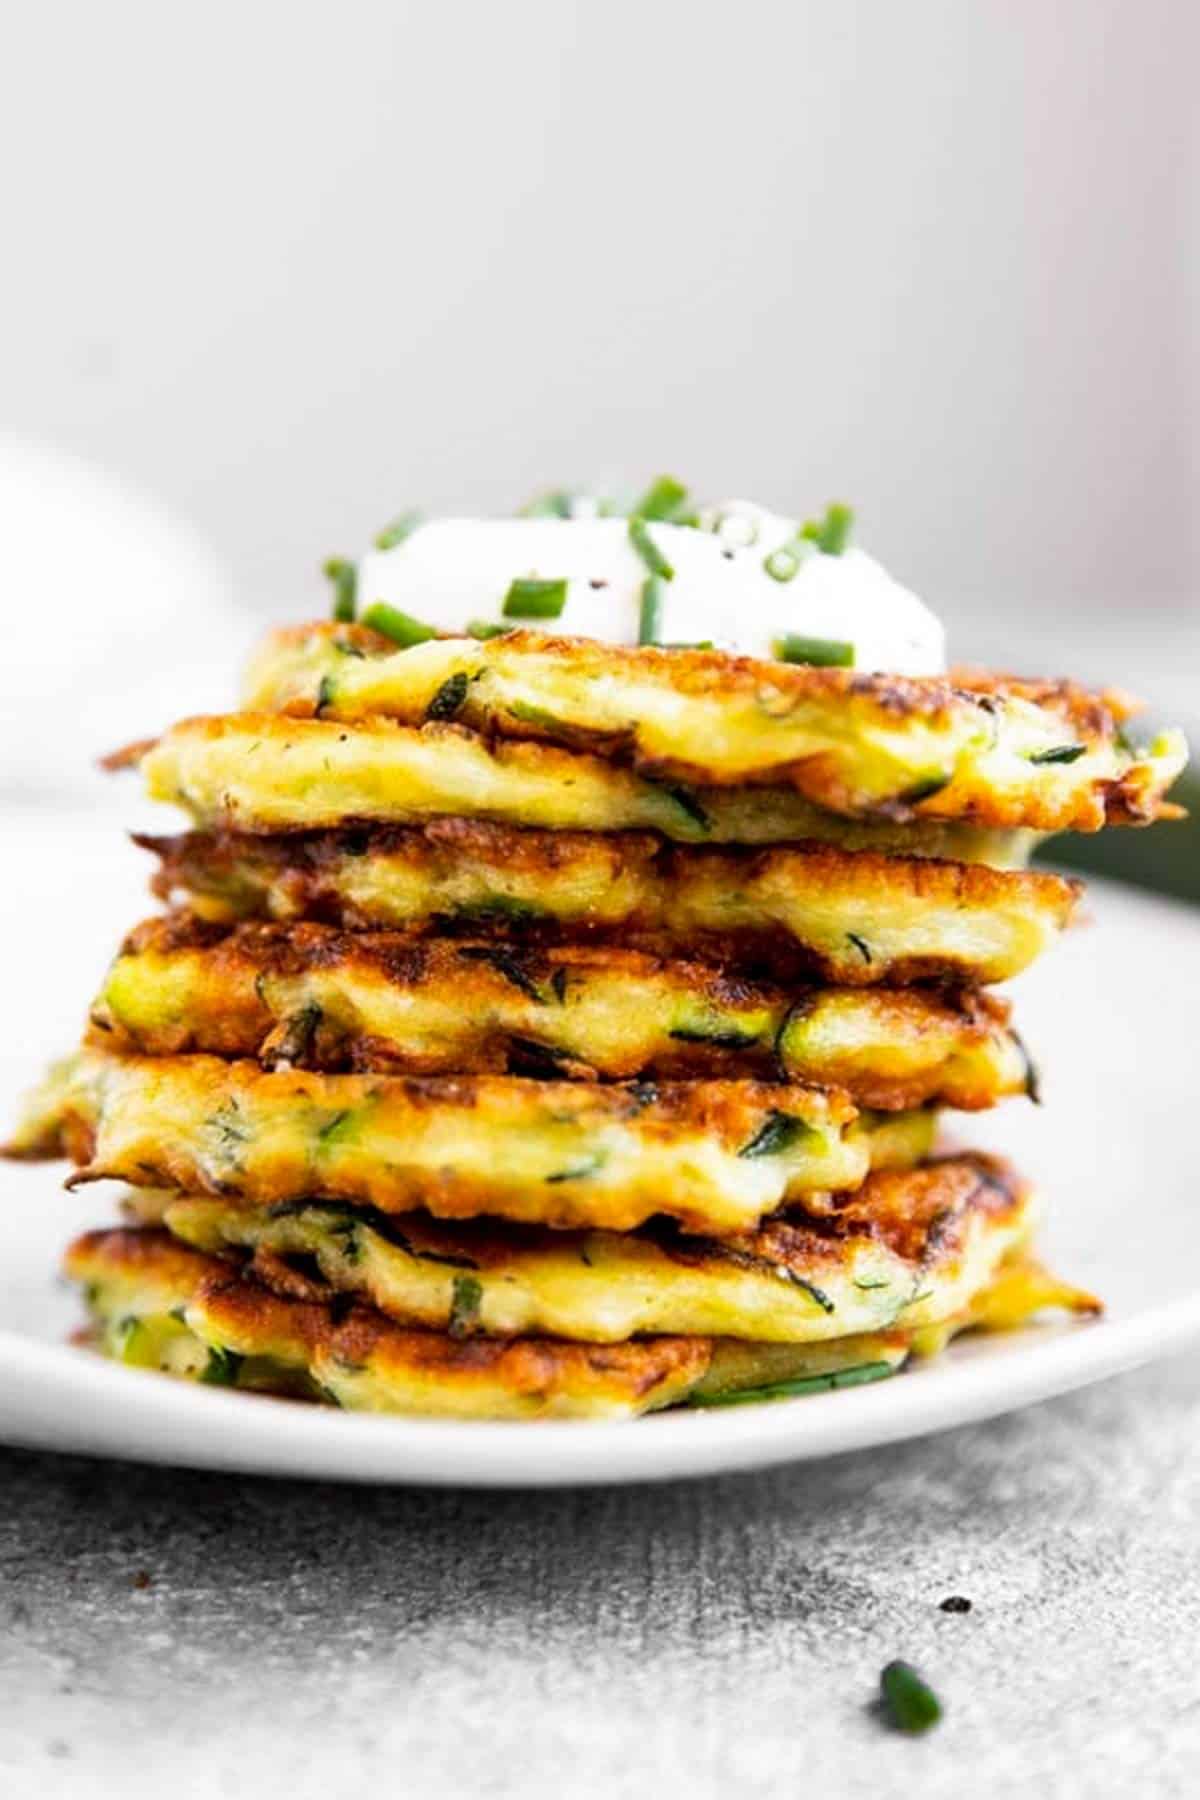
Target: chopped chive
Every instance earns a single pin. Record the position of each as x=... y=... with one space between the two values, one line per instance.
x=506 y=963
x=662 y=500
x=817 y=1295
x=690 y=806
x=579 y=1171
x=556 y=504
x=325 y=692
x=736 y=531
x=401 y=627
x=296 y=1034
x=648 y=550
x=650 y=613
x=1033 y=1079
x=402 y=526
x=221 y=1369
x=817 y=653
x=446 y=1260
x=911 y=1703
x=466 y=1300
x=803 y=1384
x=334 y=1130
x=778 y=1132
x=540 y=1062
x=344 y=576
x=529 y=597
x=720 y=1040
x=497 y=907
x=484 y=629
x=783 y=564
x=1061 y=753
x=449 y=698
x=537 y=715
x=926 y=786
x=831 y=533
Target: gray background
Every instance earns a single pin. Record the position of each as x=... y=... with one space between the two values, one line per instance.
x=202 y=1636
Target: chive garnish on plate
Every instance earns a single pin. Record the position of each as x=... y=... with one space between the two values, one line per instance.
x=222 y=1367
x=831 y=533
x=399 y=528
x=783 y=564
x=401 y=627
x=909 y=1702
x=663 y=500
x=557 y=504
x=857 y=1376
x=484 y=629
x=648 y=550
x=817 y=653
x=650 y=611
x=344 y=576
x=530 y=597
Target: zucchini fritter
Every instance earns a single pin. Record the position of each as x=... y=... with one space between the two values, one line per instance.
x=159 y=1304
x=908 y=1249
x=1046 y=755
x=258 y=772
x=854 y=918
x=714 y=1155
x=263 y=772
x=315 y=997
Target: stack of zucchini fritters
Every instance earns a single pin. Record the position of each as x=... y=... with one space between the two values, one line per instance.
x=551 y=1029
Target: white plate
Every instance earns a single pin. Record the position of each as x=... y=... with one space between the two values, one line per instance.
x=1109 y=1015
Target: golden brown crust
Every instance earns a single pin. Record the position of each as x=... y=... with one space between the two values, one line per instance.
x=312 y=996
x=135 y=1251
x=914 y=1257
x=227 y=1305
x=1097 y=712
x=415 y=957
x=795 y=912
x=717 y=1155
x=126 y=756
x=265 y=772
x=246 y=1312
x=970 y=745
x=920 y=1214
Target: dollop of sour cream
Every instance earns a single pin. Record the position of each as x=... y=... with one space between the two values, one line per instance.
x=454 y=573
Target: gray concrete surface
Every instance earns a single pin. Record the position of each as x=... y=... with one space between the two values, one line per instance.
x=197 y=1635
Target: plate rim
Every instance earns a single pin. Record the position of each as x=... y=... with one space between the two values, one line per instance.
x=298 y=1442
